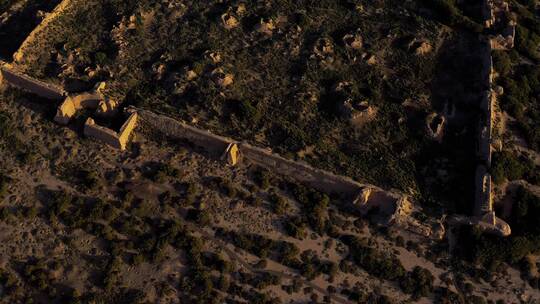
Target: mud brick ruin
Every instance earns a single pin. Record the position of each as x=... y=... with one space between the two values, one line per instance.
x=502 y=32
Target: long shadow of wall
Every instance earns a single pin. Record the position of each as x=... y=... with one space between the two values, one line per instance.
x=20 y=25
x=456 y=93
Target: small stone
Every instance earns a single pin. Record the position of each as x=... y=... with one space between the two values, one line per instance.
x=372 y=60
x=229 y=21
x=423 y=49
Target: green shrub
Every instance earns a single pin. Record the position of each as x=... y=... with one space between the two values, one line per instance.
x=263 y=178
x=192 y=192
x=418 y=282
x=249 y=112
x=506 y=165
x=502 y=62
x=4 y=182
x=374 y=262
x=280 y=205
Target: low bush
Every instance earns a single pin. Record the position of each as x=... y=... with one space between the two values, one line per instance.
x=507 y=165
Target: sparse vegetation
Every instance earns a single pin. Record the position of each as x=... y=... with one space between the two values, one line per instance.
x=344 y=86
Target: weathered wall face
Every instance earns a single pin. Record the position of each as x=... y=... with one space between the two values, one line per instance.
x=31 y=85
x=217 y=145
x=318 y=179
x=116 y=140
x=497 y=11
x=65 y=111
x=211 y=143
x=126 y=130
x=487 y=13
x=485 y=127
x=108 y=136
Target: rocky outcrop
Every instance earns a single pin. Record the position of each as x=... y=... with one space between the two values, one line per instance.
x=353 y=41
x=266 y=26
x=221 y=78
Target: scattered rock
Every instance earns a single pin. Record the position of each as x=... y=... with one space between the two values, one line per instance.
x=323 y=48
x=358 y=112
x=420 y=47
x=221 y=78
x=266 y=26
x=191 y=75
x=132 y=22
x=353 y=41
x=229 y=21
x=27 y=119
x=364 y=196
x=241 y=9
x=499 y=90
x=215 y=57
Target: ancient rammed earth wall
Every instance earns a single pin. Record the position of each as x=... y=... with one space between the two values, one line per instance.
x=497 y=18
x=211 y=143
x=396 y=206
x=316 y=178
x=26 y=83
x=118 y=140
x=319 y=179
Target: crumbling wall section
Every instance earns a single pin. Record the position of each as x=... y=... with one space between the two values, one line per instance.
x=17 y=79
x=211 y=143
x=484 y=196
x=217 y=145
x=127 y=129
x=485 y=127
x=116 y=140
x=497 y=20
x=363 y=196
x=105 y=135
x=316 y=178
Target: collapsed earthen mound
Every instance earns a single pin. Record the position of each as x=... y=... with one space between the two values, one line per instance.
x=229 y=21
x=353 y=41
x=420 y=48
x=221 y=78
x=266 y=26
x=435 y=124
x=324 y=50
